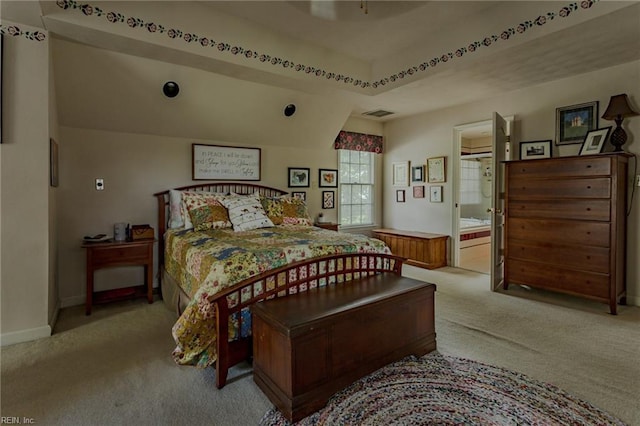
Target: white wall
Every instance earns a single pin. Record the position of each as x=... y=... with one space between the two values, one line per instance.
x=431 y=135
x=134 y=167
x=24 y=178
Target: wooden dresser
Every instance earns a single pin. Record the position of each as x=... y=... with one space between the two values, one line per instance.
x=565 y=226
x=309 y=345
x=421 y=249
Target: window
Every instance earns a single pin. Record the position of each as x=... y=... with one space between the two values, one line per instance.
x=356 y=187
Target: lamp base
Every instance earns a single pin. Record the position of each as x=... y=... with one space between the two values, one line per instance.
x=618 y=137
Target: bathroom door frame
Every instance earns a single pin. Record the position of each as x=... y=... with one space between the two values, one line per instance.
x=455 y=180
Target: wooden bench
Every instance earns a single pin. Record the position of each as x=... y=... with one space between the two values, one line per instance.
x=421 y=249
x=310 y=345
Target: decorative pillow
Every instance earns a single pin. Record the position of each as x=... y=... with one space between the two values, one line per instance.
x=176 y=218
x=273 y=208
x=294 y=212
x=206 y=211
x=246 y=212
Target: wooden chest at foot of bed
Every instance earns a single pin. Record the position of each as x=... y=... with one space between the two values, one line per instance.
x=310 y=345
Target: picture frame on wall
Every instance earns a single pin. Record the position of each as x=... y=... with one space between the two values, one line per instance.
x=594 y=141
x=327 y=178
x=328 y=199
x=418 y=191
x=53 y=163
x=401 y=173
x=575 y=121
x=400 y=196
x=220 y=162
x=299 y=194
x=535 y=149
x=298 y=177
x=436 y=170
x=417 y=173
x=435 y=194
x=1 y=50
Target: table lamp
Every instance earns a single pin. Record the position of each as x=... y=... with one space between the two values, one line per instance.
x=617 y=110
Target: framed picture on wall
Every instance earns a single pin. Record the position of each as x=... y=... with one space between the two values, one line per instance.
x=435 y=194
x=574 y=121
x=298 y=177
x=418 y=191
x=417 y=173
x=328 y=199
x=53 y=162
x=436 y=169
x=1 y=49
x=400 y=196
x=299 y=194
x=327 y=178
x=401 y=173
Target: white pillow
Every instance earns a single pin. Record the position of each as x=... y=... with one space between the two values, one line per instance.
x=176 y=217
x=246 y=213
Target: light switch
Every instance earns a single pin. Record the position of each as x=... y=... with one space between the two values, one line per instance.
x=99 y=184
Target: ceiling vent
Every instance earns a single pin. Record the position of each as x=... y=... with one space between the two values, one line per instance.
x=378 y=113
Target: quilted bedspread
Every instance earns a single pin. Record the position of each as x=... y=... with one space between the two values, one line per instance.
x=207 y=262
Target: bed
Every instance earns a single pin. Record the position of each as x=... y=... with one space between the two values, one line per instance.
x=212 y=272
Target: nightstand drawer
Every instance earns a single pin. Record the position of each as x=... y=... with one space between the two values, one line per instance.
x=119 y=255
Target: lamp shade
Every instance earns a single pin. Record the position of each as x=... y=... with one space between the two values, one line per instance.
x=618 y=108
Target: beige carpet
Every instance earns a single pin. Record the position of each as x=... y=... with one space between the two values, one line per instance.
x=115 y=366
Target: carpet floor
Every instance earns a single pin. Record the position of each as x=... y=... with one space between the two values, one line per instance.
x=115 y=366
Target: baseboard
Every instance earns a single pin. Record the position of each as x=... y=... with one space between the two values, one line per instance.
x=72 y=301
x=14 y=337
x=633 y=300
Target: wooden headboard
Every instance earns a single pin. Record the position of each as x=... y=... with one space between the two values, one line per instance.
x=217 y=187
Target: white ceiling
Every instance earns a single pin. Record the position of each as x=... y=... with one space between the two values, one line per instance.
x=391 y=27
x=393 y=36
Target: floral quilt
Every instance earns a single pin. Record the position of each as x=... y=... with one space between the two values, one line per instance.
x=207 y=262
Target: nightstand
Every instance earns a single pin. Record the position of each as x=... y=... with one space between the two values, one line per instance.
x=119 y=253
x=327 y=225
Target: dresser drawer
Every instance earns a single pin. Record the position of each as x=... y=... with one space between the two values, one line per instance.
x=119 y=255
x=557 y=278
x=560 y=188
x=563 y=232
x=555 y=168
x=599 y=210
x=593 y=259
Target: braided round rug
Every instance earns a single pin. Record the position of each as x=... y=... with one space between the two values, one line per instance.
x=445 y=390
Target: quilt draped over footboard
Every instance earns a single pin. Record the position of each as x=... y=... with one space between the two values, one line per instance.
x=207 y=262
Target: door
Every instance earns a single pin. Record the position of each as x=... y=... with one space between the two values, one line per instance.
x=501 y=151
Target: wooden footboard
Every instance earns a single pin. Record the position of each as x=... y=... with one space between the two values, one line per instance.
x=290 y=279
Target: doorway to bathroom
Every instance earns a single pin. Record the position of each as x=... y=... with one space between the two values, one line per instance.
x=474 y=198
x=479 y=152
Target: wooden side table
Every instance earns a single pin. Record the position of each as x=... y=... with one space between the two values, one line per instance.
x=119 y=253
x=327 y=225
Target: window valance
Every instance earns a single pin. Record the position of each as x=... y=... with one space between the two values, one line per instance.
x=358 y=142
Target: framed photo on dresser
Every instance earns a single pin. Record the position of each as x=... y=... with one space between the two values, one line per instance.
x=594 y=141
